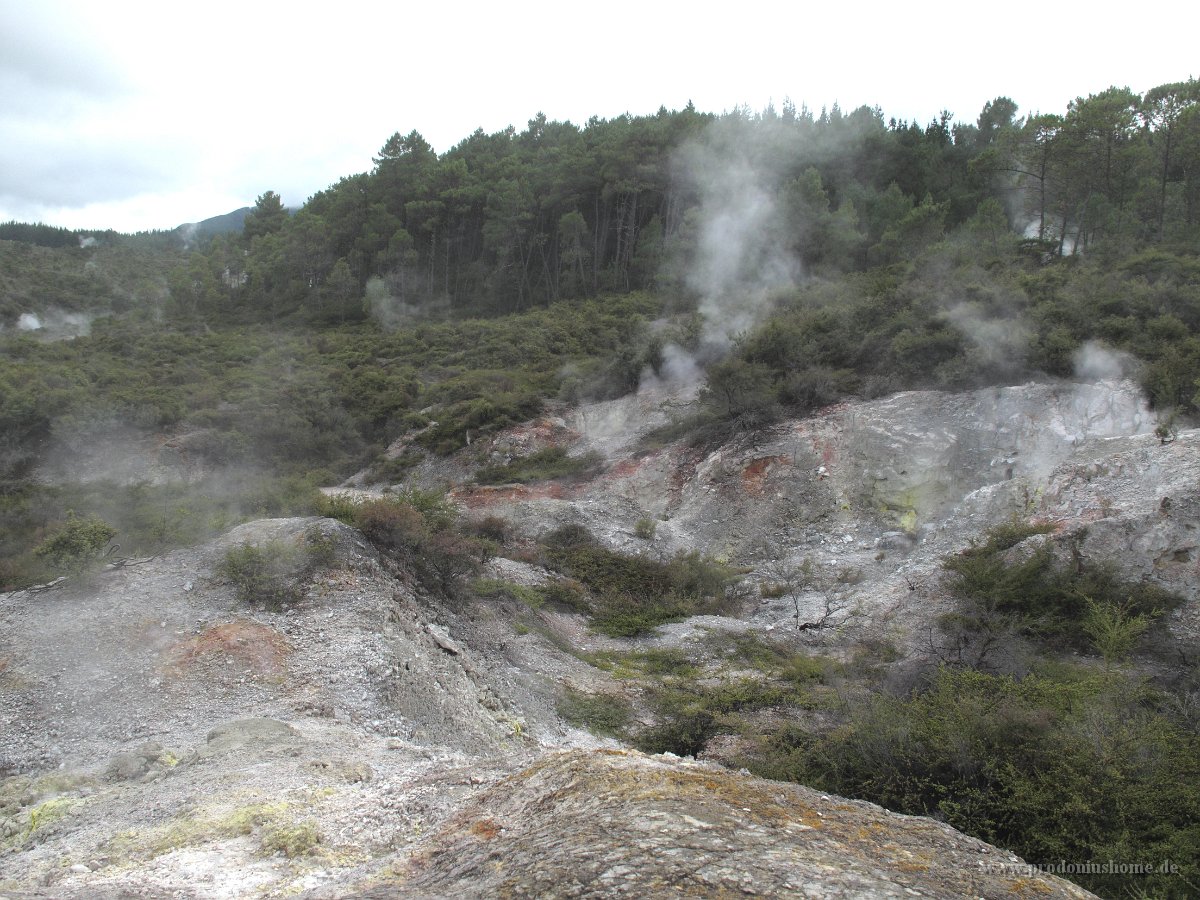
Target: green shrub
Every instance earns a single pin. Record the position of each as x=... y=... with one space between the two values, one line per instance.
x=435 y=509
x=392 y=469
x=635 y=594
x=1036 y=598
x=491 y=528
x=342 y=507
x=1072 y=766
x=566 y=592
x=644 y=529
x=625 y=615
x=391 y=524
x=1007 y=535
x=498 y=589
x=269 y=574
x=77 y=544
x=447 y=556
x=658 y=662
x=684 y=734
x=320 y=549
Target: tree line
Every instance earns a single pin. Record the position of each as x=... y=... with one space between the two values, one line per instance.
x=514 y=219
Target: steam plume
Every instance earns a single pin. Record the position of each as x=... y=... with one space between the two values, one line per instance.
x=742 y=246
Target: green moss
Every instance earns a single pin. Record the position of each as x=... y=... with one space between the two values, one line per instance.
x=291 y=840
x=273 y=819
x=49 y=811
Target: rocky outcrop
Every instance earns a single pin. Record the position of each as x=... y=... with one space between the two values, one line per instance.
x=626 y=825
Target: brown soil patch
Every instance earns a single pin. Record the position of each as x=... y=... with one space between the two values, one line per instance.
x=754 y=476
x=482 y=497
x=256 y=648
x=485 y=829
x=623 y=469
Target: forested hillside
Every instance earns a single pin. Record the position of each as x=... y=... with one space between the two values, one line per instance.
x=844 y=254
x=896 y=254
x=791 y=258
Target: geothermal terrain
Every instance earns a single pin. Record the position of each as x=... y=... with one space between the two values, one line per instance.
x=162 y=738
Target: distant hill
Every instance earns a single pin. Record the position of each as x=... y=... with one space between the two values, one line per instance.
x=231 y=221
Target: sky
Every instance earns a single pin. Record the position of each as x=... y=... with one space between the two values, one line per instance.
x=134 y=116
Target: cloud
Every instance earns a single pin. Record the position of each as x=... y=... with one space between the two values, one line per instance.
x=47 y=52
x=39 y=172
x=104 y=107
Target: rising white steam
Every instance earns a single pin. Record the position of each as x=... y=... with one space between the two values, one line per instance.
x=55 y=324
x=679 y=369
x=998 y=340
x=743 y=253
x=395 y=300
x=1095 y=362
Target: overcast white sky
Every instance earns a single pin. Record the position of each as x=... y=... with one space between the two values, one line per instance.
x=139 y=115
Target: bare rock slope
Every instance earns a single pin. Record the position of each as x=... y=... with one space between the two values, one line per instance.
x=162 y=739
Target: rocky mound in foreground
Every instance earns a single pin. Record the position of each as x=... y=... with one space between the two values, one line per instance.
x=597 y=824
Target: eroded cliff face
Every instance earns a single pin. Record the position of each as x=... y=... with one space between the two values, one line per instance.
x=880 y=489
x=906 y=462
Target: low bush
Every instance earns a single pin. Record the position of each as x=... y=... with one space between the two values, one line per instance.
x=490 y=528
x=684 y=734
x=634 y=594
x=658 y=662
x=542 y=465
x=390 y=524
x=645 y=529
x=270 y=574
x=498 y=589
x=1037 y=598
x=603 y=714
x=275 y=574
x=422 y=527
x=393 y=469
x=1073 y=766
x=77 y=544
x=337 y=506
x=626 y=615
x=566 y=592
